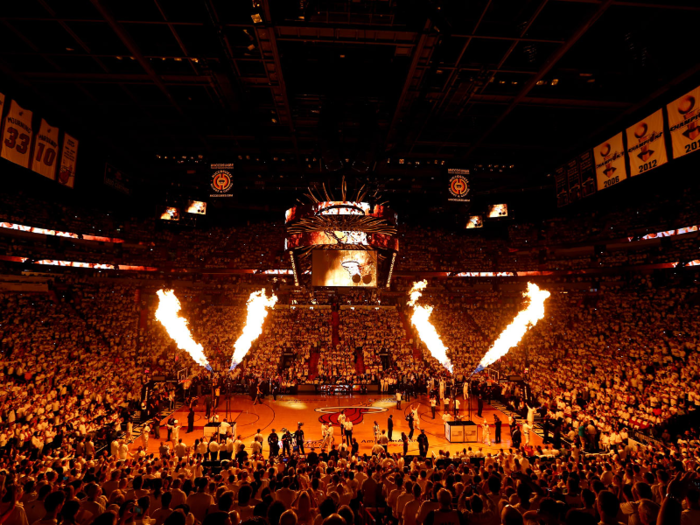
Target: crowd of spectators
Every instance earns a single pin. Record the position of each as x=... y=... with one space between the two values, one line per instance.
x=257 y=486
x=549 y=244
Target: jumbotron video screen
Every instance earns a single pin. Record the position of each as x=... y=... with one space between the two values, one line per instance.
x=344 y=268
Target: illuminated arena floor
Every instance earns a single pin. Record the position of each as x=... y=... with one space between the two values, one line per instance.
x=288 y=410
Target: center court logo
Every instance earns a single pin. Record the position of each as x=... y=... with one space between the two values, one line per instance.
x=354 y=414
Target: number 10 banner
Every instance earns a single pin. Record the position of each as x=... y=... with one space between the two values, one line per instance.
x=646 y=146
x=45 y=151
x=17 y=135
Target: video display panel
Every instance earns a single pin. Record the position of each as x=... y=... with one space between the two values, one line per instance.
x=475 y=221
x=497 y=210
x=344 y=268
x=197 y=207
x=170 y=214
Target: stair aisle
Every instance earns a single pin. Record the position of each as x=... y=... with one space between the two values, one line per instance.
x=335 y=324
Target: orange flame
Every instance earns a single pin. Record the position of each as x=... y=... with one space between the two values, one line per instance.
x=426 y=331
x=176 y=326
x=258 y=303
x=525 y=320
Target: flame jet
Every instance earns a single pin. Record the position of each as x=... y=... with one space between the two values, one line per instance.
x=426 y=331
x=515 y=331
x=176 y=326
x=258 y=303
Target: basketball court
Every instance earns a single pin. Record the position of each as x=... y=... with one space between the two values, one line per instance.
x=287 y=411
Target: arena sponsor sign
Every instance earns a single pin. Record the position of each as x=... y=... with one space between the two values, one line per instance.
x=667 y=233
x=340 y=208
x=484 y=274
x=57 y=233
x=683 y=123
x=77 y=264
x=221 y=180
x=646 y=146
x=458 y=186
x=610 y=165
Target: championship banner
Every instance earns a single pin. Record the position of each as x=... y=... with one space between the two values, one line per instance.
x=45 y=151
x=17 y=136
x=66 y=173
x=221 y=180
x=458 y=185
x=646 y=147
x=683 y=117
x=587 y=174
x=574 y=177
x=610 y=162
x=562 y=187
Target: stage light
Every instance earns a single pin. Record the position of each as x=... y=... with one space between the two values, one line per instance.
x=257 y=19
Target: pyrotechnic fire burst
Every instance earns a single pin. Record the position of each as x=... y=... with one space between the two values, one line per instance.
x=512 y=335
x=258 y=303
x=426 y=331
x=176 y=326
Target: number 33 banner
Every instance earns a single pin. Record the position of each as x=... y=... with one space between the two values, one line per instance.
x=684 y=123
x=45 y=151
x=17 y=137
x=646 y=147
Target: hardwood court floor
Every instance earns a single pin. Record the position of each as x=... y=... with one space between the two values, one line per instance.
x=365 y=409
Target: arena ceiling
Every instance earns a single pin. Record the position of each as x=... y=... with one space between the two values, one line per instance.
x=294 y=90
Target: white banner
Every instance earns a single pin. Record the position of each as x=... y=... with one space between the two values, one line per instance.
x=683 y=123
x=66 y=174
x=17 y=135
x=646 y=144
x=610 y=162
x=45 y=154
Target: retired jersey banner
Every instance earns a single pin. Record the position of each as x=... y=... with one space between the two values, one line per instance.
x=610 y=166
x=561 y=186
x=587 y=173
x=574 y=177
x=44 y=156
x=646 y=146
x=117 y=179
x=683 y=120
x=69 y=157
x=17 y=135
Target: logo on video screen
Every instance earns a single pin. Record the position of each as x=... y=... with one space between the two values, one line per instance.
x=354 y=414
